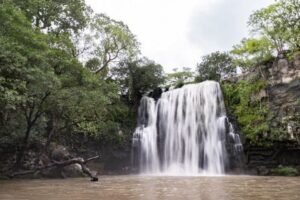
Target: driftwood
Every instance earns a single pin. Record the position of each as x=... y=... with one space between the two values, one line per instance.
x=61 y=164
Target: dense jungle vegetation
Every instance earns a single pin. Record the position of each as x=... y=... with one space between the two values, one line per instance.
x=68 y=76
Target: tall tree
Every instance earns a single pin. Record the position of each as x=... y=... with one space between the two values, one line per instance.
x=24 y=70
x=138 y=77
x=55 y=15
x=50 y=85
x=252 y=51
x=280 y=23
x=215 y=66
x=106 y=43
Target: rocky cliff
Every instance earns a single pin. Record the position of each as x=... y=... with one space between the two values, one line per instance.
x=281 y=96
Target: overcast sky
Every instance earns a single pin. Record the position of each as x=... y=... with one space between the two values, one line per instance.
x=176 y=33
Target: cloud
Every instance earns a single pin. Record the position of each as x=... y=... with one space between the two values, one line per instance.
x=223 y=25
x=176 y=33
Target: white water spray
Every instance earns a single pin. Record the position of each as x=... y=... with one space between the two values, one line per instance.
x=183 y=133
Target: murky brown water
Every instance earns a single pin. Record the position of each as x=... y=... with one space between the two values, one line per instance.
x=141 y=187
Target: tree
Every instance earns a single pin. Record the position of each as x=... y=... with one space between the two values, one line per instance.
x=252 y=51
x=215 y=66
x=279 y=23
x=51 y=90
x=178 y=78
x=106 y=43
x=46 y=91
x=26 y=74
x=55 y=15
x=85 y=105
x=138 y=77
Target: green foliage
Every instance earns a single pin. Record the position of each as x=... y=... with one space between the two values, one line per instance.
x=285 y=171
x=215 y=66
x=55 y=15
x=178 y=79
x=275 y=28
x=250 y=112
x=23 y=60
x=108 y=43
x=46 y=93
x=27 y=79
x=137 y=78
x=279 y=23
x=252 y=51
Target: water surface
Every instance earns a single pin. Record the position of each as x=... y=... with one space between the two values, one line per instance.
x=150 y=187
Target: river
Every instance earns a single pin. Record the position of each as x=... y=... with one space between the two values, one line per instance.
x=154 y=187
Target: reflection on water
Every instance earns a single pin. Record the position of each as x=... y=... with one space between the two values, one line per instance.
x=146 y=187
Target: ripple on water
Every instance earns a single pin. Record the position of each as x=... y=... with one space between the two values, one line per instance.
x=155 y=187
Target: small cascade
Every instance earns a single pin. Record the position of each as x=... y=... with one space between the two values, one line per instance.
x=238 y=146
x=146 y=135
x=184 y=132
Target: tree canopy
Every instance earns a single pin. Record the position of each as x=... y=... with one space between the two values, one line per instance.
x=280 y=23
x=275 y=29
x=55 y=15
x=49 y=92
x=106 y=43
x=138 y=77
x=215 y=66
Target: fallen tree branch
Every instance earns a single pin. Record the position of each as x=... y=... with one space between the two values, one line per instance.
x=61 y=164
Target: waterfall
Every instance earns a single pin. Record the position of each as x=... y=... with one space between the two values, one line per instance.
x=184 y=132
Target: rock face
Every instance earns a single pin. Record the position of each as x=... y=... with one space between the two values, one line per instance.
x=285 y=105
x=284 y=71
x=282 y=94
x=260 y=160
x=282 y=97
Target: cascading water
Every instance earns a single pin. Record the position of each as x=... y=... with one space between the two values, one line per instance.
x=184 y=132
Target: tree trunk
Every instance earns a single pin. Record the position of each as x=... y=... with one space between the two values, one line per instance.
x=23 y=147
x=51 y=129
x=61 y=164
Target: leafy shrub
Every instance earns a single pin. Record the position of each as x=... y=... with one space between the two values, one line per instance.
x=285 y=171
x=251 y=114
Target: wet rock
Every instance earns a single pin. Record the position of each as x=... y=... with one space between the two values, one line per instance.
x=263 y=171
x=60 y=153
x=156 y=93
x=73 y=171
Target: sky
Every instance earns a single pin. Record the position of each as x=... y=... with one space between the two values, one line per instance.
x=177 y=33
